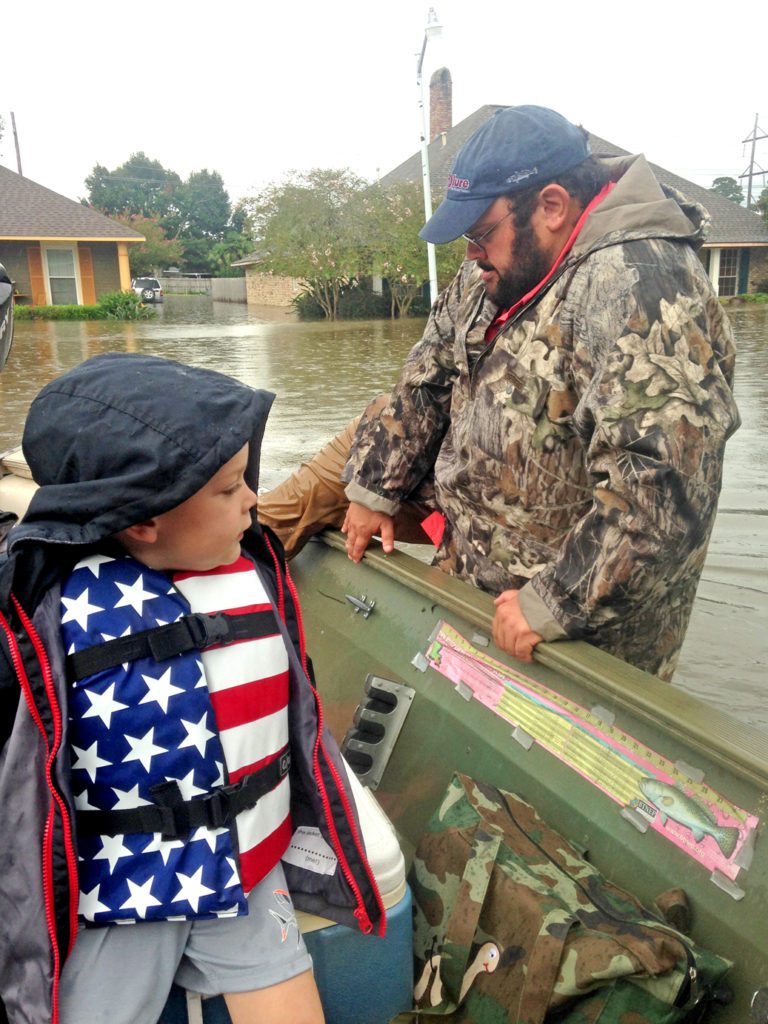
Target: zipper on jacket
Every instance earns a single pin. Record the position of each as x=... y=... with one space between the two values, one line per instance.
x=69 y=850
x=46 y=851
x=360 y=913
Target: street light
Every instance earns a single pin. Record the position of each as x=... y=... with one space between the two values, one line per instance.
x=433 y=28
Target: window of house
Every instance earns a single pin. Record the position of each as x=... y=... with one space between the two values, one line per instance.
x=62 y=276
x=727 y=282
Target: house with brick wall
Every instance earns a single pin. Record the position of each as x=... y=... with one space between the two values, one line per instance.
x=736 y=250
x=57 y=251
x=265 y=289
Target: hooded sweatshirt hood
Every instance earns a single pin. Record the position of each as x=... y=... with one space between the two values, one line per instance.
x=640 y=207
x=125 y=437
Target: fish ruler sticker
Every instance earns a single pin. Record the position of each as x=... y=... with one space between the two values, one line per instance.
x=694 y=817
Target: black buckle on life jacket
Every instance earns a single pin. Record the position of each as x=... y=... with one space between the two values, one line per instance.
x=208 y=630
x=174 y=817
x=218 y=808
x=191 y=632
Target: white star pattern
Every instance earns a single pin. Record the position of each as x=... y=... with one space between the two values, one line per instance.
x=191 y=888
x=208 y=834
x=160 y=690
x=128 y=798
x=141 y=897
x=89 y=760
x=134 y=595
x=235 y=878
x=162 y=846
x=89 y=904
x=198 y=734
x=103 y=705
x=112 y=849
x=78 y=610
x=94 y=563
x=143 y=748
x=82 y=803
x=187 y=786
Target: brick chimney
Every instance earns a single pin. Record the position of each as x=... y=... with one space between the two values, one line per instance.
x=440 y=103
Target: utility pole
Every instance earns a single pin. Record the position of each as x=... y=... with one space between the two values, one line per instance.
x=16 y=142
x=750 y=172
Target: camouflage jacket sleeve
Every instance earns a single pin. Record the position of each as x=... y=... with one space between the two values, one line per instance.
x=393 y=452
x=653 y=367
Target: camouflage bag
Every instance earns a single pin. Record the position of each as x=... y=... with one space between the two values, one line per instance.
x=512 y=924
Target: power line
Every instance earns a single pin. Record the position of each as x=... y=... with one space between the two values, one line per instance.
x=750 y=172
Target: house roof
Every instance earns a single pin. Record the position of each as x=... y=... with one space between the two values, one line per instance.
x=250 y=260
x=29 y=211
x=731 y=223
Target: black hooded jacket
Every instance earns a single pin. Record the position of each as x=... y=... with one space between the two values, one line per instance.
x=114 y=442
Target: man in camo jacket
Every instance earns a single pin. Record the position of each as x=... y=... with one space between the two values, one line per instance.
x=568 y=405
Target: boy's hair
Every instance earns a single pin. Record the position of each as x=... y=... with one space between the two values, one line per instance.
x=124 y=437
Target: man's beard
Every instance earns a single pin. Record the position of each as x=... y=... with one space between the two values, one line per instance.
x=531 y=265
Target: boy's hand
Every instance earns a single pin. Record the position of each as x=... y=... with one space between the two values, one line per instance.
x=360 y=524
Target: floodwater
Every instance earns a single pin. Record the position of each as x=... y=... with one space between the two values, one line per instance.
x=323 y=374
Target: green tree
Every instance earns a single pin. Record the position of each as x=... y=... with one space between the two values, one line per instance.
x=761 y=205
x=312 y=226
x=157 y=252
x=233 y=246
x=200 y=209
x=400 y=256
x=729 y=188
x=139 y=186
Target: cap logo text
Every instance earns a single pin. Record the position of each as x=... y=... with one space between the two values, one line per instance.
x=454 y=182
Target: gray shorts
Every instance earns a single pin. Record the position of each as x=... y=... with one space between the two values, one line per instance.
x=122 y=974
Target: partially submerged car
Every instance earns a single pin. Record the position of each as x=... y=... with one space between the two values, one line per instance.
x=148 y=288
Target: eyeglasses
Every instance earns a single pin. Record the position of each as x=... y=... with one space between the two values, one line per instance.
x=479 y=240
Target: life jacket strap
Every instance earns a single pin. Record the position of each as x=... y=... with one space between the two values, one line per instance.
x=190 y=632
x=175 y=817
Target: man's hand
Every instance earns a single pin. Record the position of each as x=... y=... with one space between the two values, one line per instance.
x=360 y=524
x=511 y=631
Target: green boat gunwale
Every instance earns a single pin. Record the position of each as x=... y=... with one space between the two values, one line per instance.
x=734 y=746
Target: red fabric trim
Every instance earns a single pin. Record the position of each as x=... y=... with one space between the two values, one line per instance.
x=250 y=701
x=501 y=318
x=434 y=527
x=256 y=863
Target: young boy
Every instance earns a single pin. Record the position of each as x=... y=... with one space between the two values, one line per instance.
x=162 y=746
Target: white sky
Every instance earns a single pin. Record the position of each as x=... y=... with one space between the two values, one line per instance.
x=255 y=89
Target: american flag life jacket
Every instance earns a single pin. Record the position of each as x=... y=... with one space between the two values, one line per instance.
x=193 y=722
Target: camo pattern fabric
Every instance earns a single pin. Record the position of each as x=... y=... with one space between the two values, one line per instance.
x=581 y=452
x=512 y=923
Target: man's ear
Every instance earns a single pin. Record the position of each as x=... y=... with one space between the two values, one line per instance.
x=555 y=207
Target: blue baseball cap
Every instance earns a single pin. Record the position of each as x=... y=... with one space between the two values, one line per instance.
x=514 y=150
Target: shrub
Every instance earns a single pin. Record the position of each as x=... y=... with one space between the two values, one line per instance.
x=124 y=306
x=356 y=302
x=111 y=306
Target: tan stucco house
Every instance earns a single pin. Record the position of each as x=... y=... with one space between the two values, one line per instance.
x=57 y=251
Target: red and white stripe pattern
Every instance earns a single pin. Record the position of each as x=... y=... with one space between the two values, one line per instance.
x=248 y=683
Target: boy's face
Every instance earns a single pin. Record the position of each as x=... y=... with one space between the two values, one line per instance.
x=205 y=531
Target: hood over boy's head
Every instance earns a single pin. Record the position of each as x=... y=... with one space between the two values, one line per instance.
x=125 y=437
